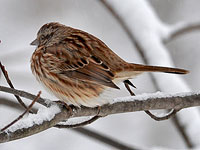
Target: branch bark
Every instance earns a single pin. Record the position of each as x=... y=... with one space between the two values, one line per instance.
x=27 y=95
x=131 y=104
x=3 y=69
x=22 y=115
x=90 y=133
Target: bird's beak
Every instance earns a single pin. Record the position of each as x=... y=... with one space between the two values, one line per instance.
x=35 y=42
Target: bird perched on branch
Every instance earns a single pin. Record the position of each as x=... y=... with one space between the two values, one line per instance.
x=79 y=68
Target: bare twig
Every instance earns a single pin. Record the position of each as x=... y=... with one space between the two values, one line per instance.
x=171 y=114
x=12 y=104
x=5 y=73
x=78 y=125
x=21 y=116
x=104 y=139
x=27 y=95
x=148 y=112
x=8 y=102
x=84 y=123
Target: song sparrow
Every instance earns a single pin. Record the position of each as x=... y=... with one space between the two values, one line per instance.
x=78 y=67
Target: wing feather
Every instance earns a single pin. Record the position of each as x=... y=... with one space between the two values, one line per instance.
x=74 y=61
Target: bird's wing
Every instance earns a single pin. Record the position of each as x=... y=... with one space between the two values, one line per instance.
x=74 y=58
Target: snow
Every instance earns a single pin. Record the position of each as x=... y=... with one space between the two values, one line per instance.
x=149 y=23
x=48 y=102
x=46 y=114
x=175 y=27
x=43 y=114
x=145 y=96
x=76 y=120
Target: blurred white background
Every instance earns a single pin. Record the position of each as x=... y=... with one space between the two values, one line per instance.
x=19 y=23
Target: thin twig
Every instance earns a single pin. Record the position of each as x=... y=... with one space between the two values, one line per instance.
x=148 y=112
x=27 y=95
x=104 y=139
x=5 y=73
x=171 y=114
x=84 y=123
x=78 y=125
x=22 y=115
x=12 y=104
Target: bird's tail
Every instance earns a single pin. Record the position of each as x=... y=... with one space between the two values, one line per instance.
x=146 y=68
x=132 y=70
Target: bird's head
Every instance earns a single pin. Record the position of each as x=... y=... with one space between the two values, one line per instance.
x=49 y=34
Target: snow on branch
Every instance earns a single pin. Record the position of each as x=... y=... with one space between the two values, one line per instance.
x=180 y=29
x=49 y=117
x=22 y=115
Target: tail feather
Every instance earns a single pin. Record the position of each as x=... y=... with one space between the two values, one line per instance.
x=146 y=68
x=132 y=70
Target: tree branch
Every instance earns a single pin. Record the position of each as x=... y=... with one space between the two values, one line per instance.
x=172 y=113
x=10 y=103
x=120 y=105
x=92 y=134
x=27 y=95
x=5 y=73
x=22 y=115
x=78 y=125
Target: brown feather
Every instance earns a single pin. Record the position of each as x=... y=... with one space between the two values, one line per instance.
x=146 y=68
x=81 y=67
x=131 y=70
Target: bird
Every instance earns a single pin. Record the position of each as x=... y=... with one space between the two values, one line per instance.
x=78 y=68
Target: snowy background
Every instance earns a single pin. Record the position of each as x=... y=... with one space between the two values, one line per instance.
x=19 y=23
